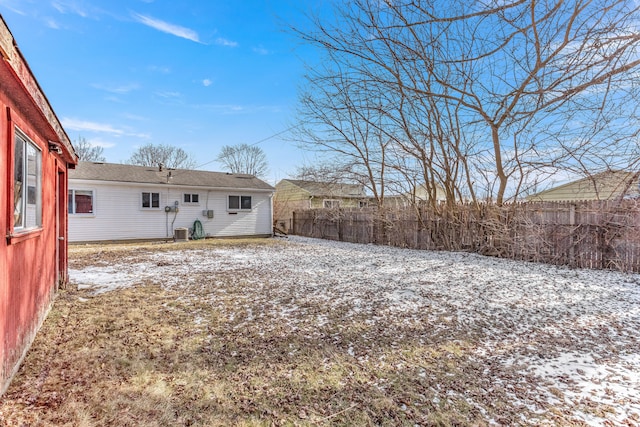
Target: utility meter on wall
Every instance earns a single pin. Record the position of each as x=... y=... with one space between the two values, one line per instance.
x=173 y=208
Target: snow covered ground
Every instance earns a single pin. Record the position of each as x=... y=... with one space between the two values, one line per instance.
x=551 y=338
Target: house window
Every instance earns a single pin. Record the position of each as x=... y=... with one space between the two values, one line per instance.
x=80 y=202
x=239 y=203
x=330 y=203
x=150 y=200
x=27 y=184
x=363 y=204
x=191 y=198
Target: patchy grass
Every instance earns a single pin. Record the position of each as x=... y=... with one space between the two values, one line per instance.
x=135 y=357
x=222 y=343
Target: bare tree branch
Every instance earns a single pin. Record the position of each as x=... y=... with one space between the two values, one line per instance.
x=167 y=155
x=87 y=152
x=244 y=158
x=484 y=99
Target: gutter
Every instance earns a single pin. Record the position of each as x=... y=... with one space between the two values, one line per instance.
x=164 y=184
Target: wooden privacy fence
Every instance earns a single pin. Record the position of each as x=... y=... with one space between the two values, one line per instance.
x=593 y=234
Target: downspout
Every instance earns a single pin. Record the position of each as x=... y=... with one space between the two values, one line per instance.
x=166 y=215
x=271 y=214
x=167 y=196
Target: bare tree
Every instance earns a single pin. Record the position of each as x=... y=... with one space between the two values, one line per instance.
x=482 y=98
x=87 y=152
x=329 y=173
x=340 y=117
x=167 y=155
x=244 y=158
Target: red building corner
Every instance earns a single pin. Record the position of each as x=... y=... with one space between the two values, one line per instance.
x=35 y=154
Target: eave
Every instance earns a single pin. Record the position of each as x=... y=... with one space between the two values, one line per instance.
x=19 y=84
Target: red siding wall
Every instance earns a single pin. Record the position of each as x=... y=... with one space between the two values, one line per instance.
x=31 y=262
x=28 y=265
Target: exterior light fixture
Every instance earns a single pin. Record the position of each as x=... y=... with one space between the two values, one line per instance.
x=54 y=147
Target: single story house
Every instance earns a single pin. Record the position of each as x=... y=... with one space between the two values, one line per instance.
x=35 y=155
x=108 y=201
x=608 y=185
x=294 y=194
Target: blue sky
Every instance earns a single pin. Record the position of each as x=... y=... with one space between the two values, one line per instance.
x=191 y=73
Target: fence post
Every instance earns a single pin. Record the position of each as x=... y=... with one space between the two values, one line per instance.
x=572 y=235
x=293 y=222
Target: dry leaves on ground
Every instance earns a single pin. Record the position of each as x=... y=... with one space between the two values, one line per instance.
x=309 y=332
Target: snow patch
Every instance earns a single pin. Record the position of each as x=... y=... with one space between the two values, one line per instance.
x=574 y=333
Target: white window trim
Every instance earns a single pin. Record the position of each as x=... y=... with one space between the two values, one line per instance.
x=239 y=209
x=191 y=197
x=25 y=188
x=93 y=199
x=151 y=208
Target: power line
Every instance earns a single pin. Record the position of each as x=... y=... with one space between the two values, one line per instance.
x=255 y=143
x=274 y=135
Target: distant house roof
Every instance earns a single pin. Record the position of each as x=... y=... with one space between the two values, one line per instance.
x=95 y=171
x=601 y=186
x=331 y=189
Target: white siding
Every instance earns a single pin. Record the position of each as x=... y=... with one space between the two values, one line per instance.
x=119 y=214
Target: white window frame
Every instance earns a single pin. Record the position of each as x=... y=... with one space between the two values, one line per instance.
x=190 y=202
x=240 y=199
x=330 y=203
x=72 y=203
x=27 y=216
x=150 y=207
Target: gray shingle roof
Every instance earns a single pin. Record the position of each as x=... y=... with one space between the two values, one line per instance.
x=95 y=171
x=333 y=189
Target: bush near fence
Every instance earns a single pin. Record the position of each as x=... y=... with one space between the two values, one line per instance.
x=591 y=234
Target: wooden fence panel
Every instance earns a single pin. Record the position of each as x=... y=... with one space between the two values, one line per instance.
x=596 y=234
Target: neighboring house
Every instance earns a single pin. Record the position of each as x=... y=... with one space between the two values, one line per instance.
x=294 y=194
x=110 y=201
x=421 y=194
x=417 y=196
x=609 y=185
x=34 y=157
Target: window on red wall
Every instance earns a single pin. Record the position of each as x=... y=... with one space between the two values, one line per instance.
x=27 y=184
